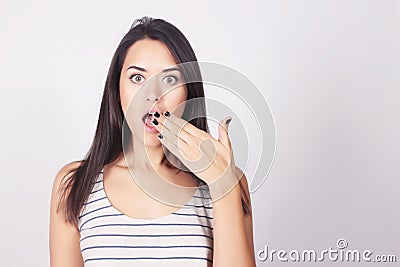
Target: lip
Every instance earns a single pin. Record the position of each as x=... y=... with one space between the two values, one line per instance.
x=150 y=111
x=146 y=120
x=150 y=129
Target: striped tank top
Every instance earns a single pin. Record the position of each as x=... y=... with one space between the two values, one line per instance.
x=111 y=238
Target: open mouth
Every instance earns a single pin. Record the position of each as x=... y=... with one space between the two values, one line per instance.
x=149 y=127
x=147 y=118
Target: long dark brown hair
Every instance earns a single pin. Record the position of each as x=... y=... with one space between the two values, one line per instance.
x=107 y=143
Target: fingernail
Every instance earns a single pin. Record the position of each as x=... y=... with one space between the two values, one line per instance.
x=228 y=120
x=157 y=115
x=160 y=136
x=167 y=114
x=155 y=122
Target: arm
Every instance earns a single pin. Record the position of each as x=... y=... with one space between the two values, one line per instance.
x=233 y=231
x=248 y=219
x=233 y=238
x=64 y=238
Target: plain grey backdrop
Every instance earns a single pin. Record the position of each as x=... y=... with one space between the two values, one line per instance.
x=330 y=71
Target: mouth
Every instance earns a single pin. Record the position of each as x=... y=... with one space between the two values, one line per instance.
x=147 y=118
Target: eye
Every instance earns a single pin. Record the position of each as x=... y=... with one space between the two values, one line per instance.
x=170 y=79
x=137 y=78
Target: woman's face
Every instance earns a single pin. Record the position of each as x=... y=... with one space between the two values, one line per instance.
x=149 y=82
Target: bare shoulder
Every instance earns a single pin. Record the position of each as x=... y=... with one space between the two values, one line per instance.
x=63 y=172
x=62 y=175
x=64 y=237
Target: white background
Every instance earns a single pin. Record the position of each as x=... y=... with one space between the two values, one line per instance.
x=330 y=71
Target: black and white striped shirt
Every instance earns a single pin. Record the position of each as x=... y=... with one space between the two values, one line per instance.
x=111 y=238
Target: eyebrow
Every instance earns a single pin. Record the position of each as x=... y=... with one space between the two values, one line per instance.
x=144 y=70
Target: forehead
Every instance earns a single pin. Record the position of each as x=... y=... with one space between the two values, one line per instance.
x=152 y=55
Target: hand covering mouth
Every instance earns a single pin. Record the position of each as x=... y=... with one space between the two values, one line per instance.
x=148 y=116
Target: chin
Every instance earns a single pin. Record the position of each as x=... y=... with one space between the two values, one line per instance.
x=151 y=141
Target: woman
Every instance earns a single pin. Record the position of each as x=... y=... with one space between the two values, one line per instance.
x=101 y=217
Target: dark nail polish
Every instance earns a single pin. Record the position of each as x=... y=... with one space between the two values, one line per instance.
x=155 y=122
x=160 y=136
x=228 y=120
x=167 y=114
x=157 y=115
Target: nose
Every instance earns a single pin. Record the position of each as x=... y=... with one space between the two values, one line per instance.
x=152 y=98
x=153 y=90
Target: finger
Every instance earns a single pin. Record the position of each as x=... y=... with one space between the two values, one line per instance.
x=169 y=132
x=223 y=135
x=195 y=161
x=190 y=145
x=174 y=128
x=170 y=145
x=186 y=126
x=200 y=139
x=173 y=147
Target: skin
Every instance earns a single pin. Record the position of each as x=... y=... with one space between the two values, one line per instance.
x=233 y=245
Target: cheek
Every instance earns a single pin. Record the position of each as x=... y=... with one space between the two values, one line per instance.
x=126 y=95
x=177 y=95
x=175 y=98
